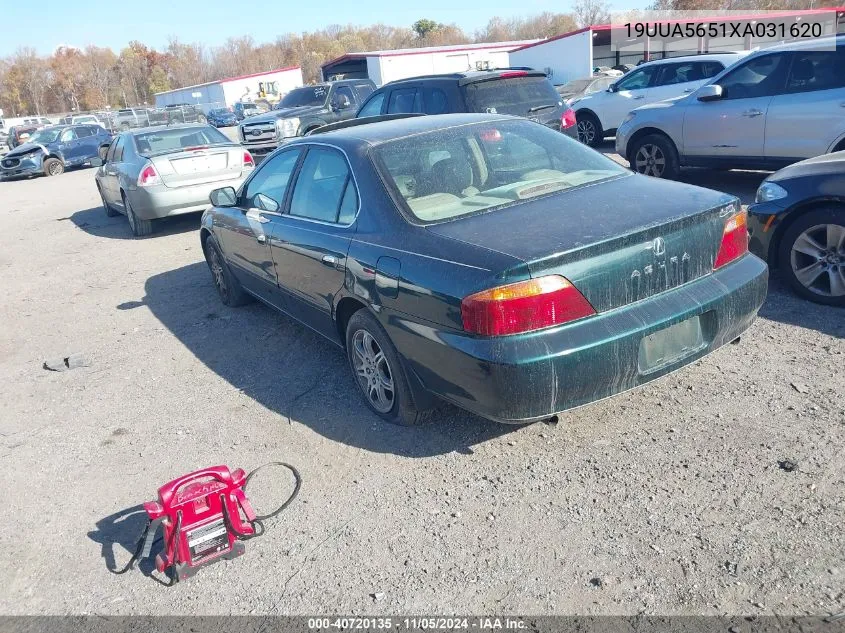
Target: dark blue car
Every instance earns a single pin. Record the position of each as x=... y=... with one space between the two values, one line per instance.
x=221 y=117
x=52 y=150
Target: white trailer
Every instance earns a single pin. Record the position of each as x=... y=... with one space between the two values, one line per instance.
x=268 y=86
x=390 y=65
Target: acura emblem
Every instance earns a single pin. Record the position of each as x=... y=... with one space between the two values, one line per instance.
x=658 y=246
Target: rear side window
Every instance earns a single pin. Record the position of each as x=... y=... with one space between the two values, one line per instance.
x=511 y=95
x=84 y=131
x=436 y=101
x=671 y=74
x=373 y=106
x=404 y=100
x=118 y=149
x=322 y=189
x=817 y=70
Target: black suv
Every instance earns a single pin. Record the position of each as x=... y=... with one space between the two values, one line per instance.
x=302 y=110
x=517 y=91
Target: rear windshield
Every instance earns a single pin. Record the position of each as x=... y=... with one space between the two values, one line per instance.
x=513 y=95
x=175 y=140
x=459 y=171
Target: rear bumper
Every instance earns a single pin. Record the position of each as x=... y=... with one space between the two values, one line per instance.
x=533 y=376
x=151 y=203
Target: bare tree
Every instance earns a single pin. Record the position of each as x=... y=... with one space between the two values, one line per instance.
x=591 y=12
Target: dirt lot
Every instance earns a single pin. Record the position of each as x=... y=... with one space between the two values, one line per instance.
x=668 y=499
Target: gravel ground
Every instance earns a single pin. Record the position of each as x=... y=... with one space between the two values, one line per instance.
x=665 y=500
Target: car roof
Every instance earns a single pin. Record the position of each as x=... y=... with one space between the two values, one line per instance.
x=470 y=76
x=812 y=44
x=729 y=57
x=384 y=131
x=158 y=128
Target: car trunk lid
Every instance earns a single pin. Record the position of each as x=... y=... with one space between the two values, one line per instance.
x=197 y=165
x=618 y=241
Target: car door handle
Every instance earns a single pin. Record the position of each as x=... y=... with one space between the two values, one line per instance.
x=689 y=89
x=752 y=113
x=330 y=260
x=842 y=105
x=639 y=97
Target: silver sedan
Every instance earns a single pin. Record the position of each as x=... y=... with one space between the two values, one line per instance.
x=157 y=172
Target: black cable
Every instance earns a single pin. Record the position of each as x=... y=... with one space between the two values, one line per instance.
x=297 y=486
x=137 y=553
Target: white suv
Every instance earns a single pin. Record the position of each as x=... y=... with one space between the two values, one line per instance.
x=778 y=106
x=599 y=114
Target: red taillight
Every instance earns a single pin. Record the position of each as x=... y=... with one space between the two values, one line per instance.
x=248 y=160
x=196 y=149
x=148 y=176
x=734 y=240
x=513 y=73
x=524 y=306
x=568 y=119
x=490 y=136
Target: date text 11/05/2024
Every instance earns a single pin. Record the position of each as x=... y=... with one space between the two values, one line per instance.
x=419 y=623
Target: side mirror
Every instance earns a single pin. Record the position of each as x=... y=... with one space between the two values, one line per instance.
x=96 y=162
x=612 y=88
x=223 y=197
x=713 y=92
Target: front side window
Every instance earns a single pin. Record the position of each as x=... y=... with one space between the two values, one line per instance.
x=710 y=68
x=459 y=171
x=112 y=148
x=817 y=70
x=343 y=98
x=637 y=79
x=324 y=189
x=67 y=136
x=267 y=189
x=118 y=152
x=762 y=76
x=373 y=106
x=404 y=100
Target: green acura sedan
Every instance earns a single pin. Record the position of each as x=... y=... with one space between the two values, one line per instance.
x=486 y=261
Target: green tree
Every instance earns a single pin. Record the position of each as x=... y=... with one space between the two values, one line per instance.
x=424 y=26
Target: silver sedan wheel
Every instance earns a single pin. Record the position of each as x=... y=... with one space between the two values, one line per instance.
x=373 y=371
x=650 y=161
x=818 y=259
x=586 y=131
x=217 y=272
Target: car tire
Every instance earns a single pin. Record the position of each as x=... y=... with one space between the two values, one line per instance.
x=53 y=167
x=110 y=212
x=229 y=289
x=815 y=270
x=589 y=129
x=139 y=227
x=655 y=155
x=378 y=371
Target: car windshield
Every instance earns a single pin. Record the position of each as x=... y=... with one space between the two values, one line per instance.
x=177 y=139
x=44 y=136
x=310 y=96
x=574 y=87
x=512 y=95
x=464 y=170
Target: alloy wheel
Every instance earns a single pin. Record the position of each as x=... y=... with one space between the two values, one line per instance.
x=586 y=131
x=818 y=259
x=373 y=371
x=217 y=272
x=650 y=161
x=55 y=168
